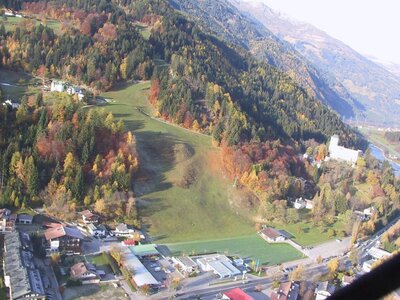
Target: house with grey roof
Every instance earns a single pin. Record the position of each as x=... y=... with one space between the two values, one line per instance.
x=20 y=274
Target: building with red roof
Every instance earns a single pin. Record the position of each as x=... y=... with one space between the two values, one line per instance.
x=236 y=294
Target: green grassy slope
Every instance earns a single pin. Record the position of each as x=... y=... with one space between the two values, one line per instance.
x=172 y=213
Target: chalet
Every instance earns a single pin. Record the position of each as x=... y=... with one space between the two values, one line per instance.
x=342 y=153
x=61 y=238
x=6 y=221
x=299 y=203
x=125 y=230
x=85 y=272
x=20 y=274
x=25 y=219
x=272 y=235
x=89 y=218
x=288 y=290
x=324 y=290
x=236 y=294
x=186 y=264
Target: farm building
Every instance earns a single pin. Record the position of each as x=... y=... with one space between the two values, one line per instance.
x=145 y=250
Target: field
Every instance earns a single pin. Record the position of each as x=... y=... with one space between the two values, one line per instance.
x=10 y=23
x=378 y=138
x=251 y=246
x=93 y=292
x=15 y=85
x=172 y=213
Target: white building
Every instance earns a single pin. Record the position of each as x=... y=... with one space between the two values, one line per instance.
x=140 y=275
x=58 y=86
x=219 y=264
x=299 y=203
x=342 y=153
x=125 y=230
x=96 y=230
x=324 y=290
x=377 y=253
x=186 y=264
x=367 y=265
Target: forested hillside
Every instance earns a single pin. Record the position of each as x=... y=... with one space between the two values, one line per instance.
x=240 y=28
x=259 y=115
x=65 y=157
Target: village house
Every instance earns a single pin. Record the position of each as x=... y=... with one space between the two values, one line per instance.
x=272 y=235
x=186 y=264
x=61 y=238
x=85 y=272
x=124 y=230
x=89 y=218
x=236 y=294
x=25 y=219
x=342 y=153
x=324 y=290
x=288 y=290
x=20 y=274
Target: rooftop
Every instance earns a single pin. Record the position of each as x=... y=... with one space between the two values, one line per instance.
x=60 y=230
x=271 y=233
x=237 y=294
x=81 y=268
x=140 y=274
x=144 y=250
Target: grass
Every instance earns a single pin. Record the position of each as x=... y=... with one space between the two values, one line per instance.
x=11 y=22
x=378 y=138
x=144 y=30
x=17 y=84
x=251 y=246
x=172 y=213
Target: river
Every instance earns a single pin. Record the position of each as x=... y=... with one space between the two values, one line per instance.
x=378 y=154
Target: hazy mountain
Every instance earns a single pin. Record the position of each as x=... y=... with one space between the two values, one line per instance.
x=392 y=67
x=377 y=89
x=234 y=26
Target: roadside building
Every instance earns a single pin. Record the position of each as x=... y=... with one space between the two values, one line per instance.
x=367 y=265
x=25 y=219
x=61 y=238
x=140 y=275
x=378 y=253
x=186 y=264
x=20 y=274
x=272 y=235
x=236 y=294
x=220 y=265
x=85 y=272
x=288 y=290
x=324 y=290
x=369 y=211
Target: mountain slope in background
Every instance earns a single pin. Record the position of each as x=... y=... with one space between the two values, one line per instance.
x=372 y=85
x=225 y=20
